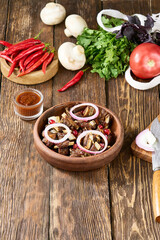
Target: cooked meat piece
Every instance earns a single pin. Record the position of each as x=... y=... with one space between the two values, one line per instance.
x=76 y=153
x=79 y=114
x=108 y=120
x=60 y=135
x=63 y=151
x=85 y=140
x=47 y=143
x=110 y=139
x=93 y=148
x=84 y=125
x=101 y=117
x=64 y=144
x=52 y=135
x=70 y=123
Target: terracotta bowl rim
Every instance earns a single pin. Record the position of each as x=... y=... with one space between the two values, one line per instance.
x=67 y=159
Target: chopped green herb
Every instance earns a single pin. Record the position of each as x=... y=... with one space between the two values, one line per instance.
x=108 y=56
x=111 y=22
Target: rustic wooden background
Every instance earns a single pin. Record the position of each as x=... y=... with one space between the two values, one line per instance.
x=39 y=202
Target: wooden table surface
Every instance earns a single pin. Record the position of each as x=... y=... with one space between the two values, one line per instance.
x=39 y=202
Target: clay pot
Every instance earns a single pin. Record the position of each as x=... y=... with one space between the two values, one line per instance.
x=76 y=163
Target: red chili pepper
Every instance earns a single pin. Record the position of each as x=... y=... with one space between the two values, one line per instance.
x=33 y=61
x=73 y=81
x=36 y=65
x=47 y=61
x=15 y=48
x=32 y=56
x=21 y=63
x=12 y=69
x=7 y=58
x=4 y=43
x=29 y=51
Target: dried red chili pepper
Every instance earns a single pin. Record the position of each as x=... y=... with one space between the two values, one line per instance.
x=36 y=65
x=6 y=44
x=7 y=58
x=47 y=61
x=73 y=81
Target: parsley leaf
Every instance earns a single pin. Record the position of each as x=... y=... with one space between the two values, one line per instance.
x=108 y=55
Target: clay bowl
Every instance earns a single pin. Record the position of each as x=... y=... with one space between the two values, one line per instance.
x=32 y=78
x=76 y=163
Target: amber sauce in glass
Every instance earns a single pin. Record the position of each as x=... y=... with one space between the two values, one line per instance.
x=28 y=98
x=28 y=103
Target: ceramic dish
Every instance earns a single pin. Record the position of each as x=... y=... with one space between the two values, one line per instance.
x=32 y=78
x=76 y=163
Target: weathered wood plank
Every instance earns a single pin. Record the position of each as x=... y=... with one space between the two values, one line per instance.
x=130 y=178
x=24 y=176
x=79 y=202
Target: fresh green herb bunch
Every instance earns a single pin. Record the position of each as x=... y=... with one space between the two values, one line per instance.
x=108 y=56
x=111 y=22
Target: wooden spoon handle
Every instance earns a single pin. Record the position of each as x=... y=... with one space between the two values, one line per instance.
x=156 y=195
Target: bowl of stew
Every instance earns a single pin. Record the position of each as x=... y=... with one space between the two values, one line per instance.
x=78 y=136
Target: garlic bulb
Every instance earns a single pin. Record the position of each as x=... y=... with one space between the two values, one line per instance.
x=53 y=13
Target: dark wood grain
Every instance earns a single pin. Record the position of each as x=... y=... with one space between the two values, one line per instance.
x=24 y=177
x=131 y=178
x=40 y=202
x=79 y=202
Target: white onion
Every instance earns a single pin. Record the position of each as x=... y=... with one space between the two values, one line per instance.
x=141 y=85
x=53 y=126
x=118 y=14
x=83 y=134
x=84 y=118
x=146 y=140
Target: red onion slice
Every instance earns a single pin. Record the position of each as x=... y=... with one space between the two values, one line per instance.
x=56 y=125
x=83 y=134
x=146 y=140
x=84 y=118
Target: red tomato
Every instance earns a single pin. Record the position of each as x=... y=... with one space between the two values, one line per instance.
x=145 y=60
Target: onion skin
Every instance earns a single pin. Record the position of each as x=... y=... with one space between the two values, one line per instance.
x=84 y=118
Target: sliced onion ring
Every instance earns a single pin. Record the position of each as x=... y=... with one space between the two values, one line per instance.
x=146 y=140
x=56 y=125
x=141 y=85
x=83 y=134
x=84 y=118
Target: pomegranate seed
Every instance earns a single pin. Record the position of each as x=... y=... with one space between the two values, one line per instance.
x=100 y=126
x=51 y=121
x=75 y=146
x=107 y=131
x=75 y=133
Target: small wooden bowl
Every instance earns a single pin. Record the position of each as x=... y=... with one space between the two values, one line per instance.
x=32 y=78
x=76 y=163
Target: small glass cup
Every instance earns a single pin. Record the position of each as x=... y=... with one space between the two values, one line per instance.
x=24 y=108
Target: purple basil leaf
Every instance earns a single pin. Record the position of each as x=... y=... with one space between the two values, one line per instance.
x=134 y=20
x=149 y=22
